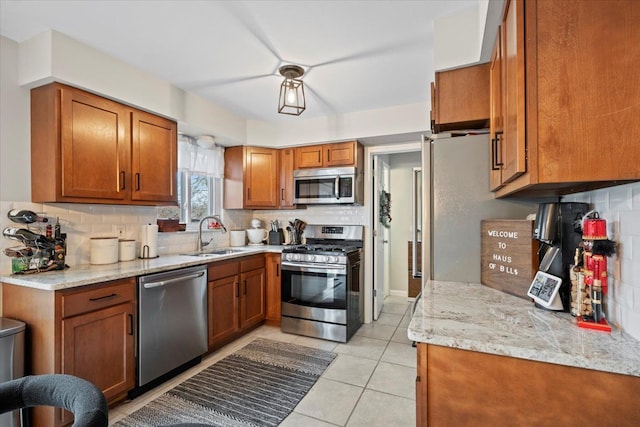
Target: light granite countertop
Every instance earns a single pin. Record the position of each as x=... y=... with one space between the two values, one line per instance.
x=88 y=274
x=471 y=316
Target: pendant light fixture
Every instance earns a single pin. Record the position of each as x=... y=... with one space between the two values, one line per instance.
x=291 y=91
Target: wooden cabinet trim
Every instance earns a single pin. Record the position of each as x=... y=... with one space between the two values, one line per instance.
x=468 y=388
x=96 y=297
x=219 y=269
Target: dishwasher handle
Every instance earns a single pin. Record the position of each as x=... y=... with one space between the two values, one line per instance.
x=173 y=280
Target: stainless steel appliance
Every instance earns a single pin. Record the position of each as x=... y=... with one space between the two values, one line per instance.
x=456 y=198
x=322 y=293
x=328 y=186
x=12 y=365
x=172 y=324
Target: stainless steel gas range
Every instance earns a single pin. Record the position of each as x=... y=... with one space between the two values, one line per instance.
x=322 y=293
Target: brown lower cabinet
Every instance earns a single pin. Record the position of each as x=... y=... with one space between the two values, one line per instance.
x=87 y=332
x=236 y=298
x=274 y=291
x=467 y=388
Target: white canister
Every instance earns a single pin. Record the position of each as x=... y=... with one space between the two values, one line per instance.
x=104 y=250
x=126 y=250
x=237 y=238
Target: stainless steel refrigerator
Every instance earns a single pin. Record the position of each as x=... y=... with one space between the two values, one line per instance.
x=456 y=198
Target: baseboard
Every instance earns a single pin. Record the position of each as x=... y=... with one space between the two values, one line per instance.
x=398 y=293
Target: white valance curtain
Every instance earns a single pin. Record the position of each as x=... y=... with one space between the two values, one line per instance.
x=205 y=158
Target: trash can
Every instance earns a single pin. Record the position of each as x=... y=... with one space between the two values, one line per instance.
x=11 y=361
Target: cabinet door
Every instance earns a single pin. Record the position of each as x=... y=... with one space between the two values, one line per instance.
x=274 y=290
x=309 y=157
x=340 y=154
x=513 y=140
x=261 y=177
x=95 y=144
x=154 y=158
x=286 y=177
x=462 y=98
x=252 y=299
x=495 y=127
x=223 y=296
x=99 y=347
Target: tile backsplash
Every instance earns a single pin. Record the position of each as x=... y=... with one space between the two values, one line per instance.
x=83 y=221
x=620 y=206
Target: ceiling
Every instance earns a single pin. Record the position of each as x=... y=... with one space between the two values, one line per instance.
x=358 y=55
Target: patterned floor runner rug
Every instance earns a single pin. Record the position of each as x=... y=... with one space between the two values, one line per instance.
x=259 y=385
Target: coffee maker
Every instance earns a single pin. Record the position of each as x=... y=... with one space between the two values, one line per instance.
x=559 y=231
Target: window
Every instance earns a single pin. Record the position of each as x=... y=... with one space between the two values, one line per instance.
x=198 y=195
x=200 y=173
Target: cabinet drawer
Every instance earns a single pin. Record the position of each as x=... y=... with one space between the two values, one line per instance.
x=97 y=297
x=251 y=263
x=218 y=270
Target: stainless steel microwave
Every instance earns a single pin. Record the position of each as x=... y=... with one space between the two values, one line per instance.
x=327 y=186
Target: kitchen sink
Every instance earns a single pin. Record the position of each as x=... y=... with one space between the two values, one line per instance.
x=214 y=252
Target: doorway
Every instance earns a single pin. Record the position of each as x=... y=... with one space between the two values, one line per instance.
x=387 y=269
x=381 y=231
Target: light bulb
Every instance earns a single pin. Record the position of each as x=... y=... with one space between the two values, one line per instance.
x=292 y=97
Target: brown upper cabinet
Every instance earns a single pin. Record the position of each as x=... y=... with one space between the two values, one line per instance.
x=287 y=161
x=89 y=149
x=460 y=99
x=568 y=73
x=338 y=154
x=251 y=178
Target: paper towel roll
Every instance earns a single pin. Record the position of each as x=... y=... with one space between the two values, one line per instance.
x=149 y=241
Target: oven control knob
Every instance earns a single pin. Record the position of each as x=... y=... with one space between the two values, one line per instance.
x=309 y=258
x=332 y=259
x=322 y=258
x=297 y=257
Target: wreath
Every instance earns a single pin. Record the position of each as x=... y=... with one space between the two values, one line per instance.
x=385 y=208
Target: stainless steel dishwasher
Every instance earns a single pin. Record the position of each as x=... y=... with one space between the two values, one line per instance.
x=172 y=323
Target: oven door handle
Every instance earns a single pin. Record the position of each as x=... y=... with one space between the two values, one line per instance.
x=311 y=268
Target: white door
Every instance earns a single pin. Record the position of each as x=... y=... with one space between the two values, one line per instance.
x=381 y=237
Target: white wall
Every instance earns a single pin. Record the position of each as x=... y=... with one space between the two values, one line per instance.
x=620 y=206
x=386 y=121
x=53 y=56
x=401 y=231
x=458 y=38
x=15 y=145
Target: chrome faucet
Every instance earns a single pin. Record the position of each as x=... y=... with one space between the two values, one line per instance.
x=201 y=245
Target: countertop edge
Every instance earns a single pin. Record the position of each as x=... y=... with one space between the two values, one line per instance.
x=87 y=274
x=439 y=326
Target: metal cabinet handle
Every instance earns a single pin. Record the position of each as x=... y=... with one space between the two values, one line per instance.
x=245 y=287
x=277 y=270
x=495 y=164
x=282 y=194
x=137 y=181
x=172 y=280
x=122 y=183
x=103 y=297
x=130 y=324
x=237 y=289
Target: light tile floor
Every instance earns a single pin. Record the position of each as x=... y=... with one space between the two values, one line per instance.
x=370 y=383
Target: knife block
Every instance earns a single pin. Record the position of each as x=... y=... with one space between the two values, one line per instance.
x=276 y=237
